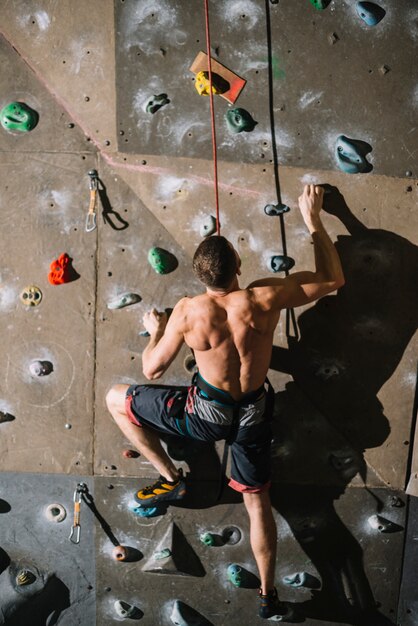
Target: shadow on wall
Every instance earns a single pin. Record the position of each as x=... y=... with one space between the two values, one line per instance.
x=350 y=345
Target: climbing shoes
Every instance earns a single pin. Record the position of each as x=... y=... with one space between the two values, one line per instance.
x=271 y=606
x=162 y=490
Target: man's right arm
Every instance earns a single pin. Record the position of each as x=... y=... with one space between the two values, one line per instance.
x=303 y=287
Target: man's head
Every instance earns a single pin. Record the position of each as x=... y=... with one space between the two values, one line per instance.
x=216 y=263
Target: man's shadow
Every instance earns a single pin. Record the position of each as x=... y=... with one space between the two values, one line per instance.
x=350 y=344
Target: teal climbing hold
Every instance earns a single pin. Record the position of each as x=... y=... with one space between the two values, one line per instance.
x=320 y=4
x=123 y=300
x=281 y=263
x=370 y=12
x=208 y=539
x=350 y=155
x=239 y=120
x=150 y=511
x=236 y=575
x=156 y=103
x=276 y=209
x=165 y=553
x=18 y=116
x=162 y=261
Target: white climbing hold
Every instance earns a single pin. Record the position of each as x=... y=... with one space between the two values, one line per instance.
x=55 y=513
x=41 y=368
x=208 y=226
x=123 y=609
x=123 y=300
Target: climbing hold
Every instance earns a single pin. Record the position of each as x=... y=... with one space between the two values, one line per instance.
x=25 y=577
x=276 y=209
x=143 y=333
x=18 y=116
x=383 y=525
x=55 y=513
x=302 y=579
x=219 y=84
x=333 y=38
x=150 y=511
x=231 y=535
x=320 y=4
x=384 y=69
x=62 y=270
x=162 y=261
x=208 y=226
x=120 y=553
x=184 y=615
x=68 y=426
x=236 y=575
x=351 y=155
x=370 y=12
x=165 y=553
x=239 y=120
x=208 y=539
x=41 y=368
x=31 y=295
x=125 y=610
x=156 y=103
x=190 y=364
x=280 y=263
x=397 y=502
x=234 y=82
x=6 y=417
x=130 y=454
x=123 y=300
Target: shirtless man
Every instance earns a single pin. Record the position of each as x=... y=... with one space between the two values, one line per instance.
x=230 y=331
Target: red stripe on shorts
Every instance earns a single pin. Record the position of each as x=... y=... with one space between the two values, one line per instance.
x=244 y=489
x=129 y=412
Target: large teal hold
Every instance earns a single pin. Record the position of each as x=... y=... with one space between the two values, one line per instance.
x=236 y=575
x=162 y=261
x=239 y=120
x=350 y=155
x=18 y=116
x=370 y=12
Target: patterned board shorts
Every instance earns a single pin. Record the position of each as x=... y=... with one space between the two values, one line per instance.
x=185 y=411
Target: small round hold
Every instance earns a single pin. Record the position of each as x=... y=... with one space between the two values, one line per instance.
x=107 y=142
x=87 y=99
x=68 y=426
x=70 y=125
x=408 y=173
x=276 y=209
x=130 y=454
x=41 y=368
x=143 y=162
x=120 y=553
x=25 y=577
x=31 y=295
x=55 y=513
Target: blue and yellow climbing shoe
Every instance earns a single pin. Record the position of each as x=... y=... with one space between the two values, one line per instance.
x=270 y=606
x=162 y=490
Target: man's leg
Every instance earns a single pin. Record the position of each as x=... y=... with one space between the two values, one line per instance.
x=263 y=536
x=143 y=438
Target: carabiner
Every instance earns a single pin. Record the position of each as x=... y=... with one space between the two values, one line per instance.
x=91 y=223
x=76 y=528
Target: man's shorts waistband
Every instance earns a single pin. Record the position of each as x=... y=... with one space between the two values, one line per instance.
x=219 y=395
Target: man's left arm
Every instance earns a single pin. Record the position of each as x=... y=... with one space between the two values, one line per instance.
x=166 y=339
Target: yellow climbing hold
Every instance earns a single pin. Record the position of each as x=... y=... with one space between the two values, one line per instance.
x=219 y=84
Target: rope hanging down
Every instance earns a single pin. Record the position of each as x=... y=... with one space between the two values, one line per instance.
x=212 y=115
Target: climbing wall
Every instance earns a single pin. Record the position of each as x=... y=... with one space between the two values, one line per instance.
x=329 y=98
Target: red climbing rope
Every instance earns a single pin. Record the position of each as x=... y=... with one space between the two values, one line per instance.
x=212 y=115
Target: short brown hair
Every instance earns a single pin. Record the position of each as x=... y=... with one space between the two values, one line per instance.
x=215 y=262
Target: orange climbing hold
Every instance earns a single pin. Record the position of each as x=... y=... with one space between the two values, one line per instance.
x=62 y=271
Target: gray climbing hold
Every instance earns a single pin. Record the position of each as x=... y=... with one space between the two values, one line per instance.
x=350 y=155
x=156 y=103
x=231 y=535
x=123 y=300
x=239 y=120
x=208 y=226
x=124 y=609
x=182 y=560
x=184 y=615
x=302 y=579
x=370 y=12
x=41 y=368
x=6 y=417
x=165 y=553
x=276 y=209
x=280 y=263
x=383 y=525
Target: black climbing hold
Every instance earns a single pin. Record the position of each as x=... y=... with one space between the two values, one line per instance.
x=239 y=120
x=281 y=263
x=370 y=12
x=156 y=103
x=276 y=209
x=351 y=155
x=6 y=417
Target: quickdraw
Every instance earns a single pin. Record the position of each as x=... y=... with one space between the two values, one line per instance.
x=76 y=528
x=91 y=222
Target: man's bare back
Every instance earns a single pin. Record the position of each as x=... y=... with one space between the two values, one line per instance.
x=231 y=336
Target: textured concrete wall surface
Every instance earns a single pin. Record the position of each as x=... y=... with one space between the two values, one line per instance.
x=344 y=368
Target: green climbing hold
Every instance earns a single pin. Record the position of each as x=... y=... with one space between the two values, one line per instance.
x=18 y=116
x=156 y=103
x=208 y=539
x=239 y=120
x=236 y=575
x=162 y=261
x=320 y=4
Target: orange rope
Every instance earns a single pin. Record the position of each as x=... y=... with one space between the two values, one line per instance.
x=212 y=114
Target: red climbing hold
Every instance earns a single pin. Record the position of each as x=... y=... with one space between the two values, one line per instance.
x=130 y=454
x=62 y=271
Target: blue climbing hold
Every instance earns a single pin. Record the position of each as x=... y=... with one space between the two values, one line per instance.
x=276 y=209
x=280 y=263
x=370 y=12
x=302 y=579
x=142 y=511
x=350 y=155
x=235 y=574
